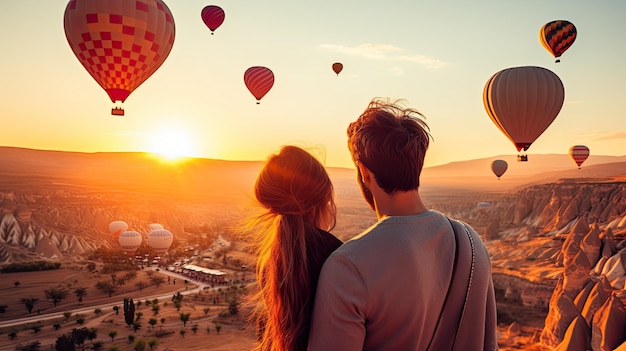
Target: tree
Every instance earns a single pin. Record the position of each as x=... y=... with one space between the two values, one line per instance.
x=98 y=345
x=16 y=284
x=116 y=308
x=97 y=311
x=205 y=310
x=153 y=343
x=80 y=335
x=155 y=309
x=29 y=303
x=157 y=280
x=93 y=333
x=152 y=322
x=80 y=293
x=194 y=329
x=65 y=343
x=218 y=327
x=233 y=307
x=56 y=294
x=106 y=287
x=136 y=326
x=140 y=285
x=162 y=322
x=3 y=308
x=33 y=346
x=129 y=311
x=67 y=315
x=113 y=334
x=140 y=345
x=182 y=332
x=184 y=317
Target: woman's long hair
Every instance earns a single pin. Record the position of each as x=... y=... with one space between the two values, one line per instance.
x=297 y=194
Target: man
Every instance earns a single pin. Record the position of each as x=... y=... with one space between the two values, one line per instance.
x=415 y=280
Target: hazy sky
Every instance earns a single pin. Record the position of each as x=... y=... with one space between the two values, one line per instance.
x=437 y=55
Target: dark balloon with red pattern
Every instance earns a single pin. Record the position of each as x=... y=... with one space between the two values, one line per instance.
x=259 y=80
x=213 y=16
x=121 y=43
x=557 y=36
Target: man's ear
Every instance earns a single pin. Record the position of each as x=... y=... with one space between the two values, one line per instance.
x=366 y=175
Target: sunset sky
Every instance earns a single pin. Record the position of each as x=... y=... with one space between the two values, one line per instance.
x=437 y=55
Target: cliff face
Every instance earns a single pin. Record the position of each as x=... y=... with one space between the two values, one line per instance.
x=70 y=224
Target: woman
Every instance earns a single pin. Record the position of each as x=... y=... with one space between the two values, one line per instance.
x=297 y=197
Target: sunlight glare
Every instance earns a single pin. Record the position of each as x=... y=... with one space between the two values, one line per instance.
x=172 y=145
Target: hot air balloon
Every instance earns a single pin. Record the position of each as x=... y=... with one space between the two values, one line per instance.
x=213 y=16
x=129 y=241
x=557 y=37
x=160 y=240
x=154 y=226
x=522 y=102
x=579 y=154
x=499 y=167
x=259 y=80
x=337 y=67
x=120 y=43
x=117 y=227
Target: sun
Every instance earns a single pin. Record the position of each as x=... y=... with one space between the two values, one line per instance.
x=171 y=145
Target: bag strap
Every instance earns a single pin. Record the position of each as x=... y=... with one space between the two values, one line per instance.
x=441 y=338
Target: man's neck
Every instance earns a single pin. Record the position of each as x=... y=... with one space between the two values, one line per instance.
x=400 y=203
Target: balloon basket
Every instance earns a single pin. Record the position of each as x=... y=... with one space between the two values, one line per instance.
x=117 y=111
x=522 y=158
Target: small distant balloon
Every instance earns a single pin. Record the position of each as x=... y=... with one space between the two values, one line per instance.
x=160 y=240
x=213 y=16
x=154 y=226
x=557 y=36
x=259 y=80
x=117 y=227
x=130 y=241
x=579 y=154
x=337 y=67
x=499 y=167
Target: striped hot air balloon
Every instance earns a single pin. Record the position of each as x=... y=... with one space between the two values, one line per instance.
x=557 y=36
x=259 y=80
x=160 y=240
x=523 y=101
x=213 y=16
x=129 y=241
x=121 y=43
x=579 y=154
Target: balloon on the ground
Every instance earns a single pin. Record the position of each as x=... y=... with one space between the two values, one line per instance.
x=557 y=36
x=117 y=227
x=579 y=153
x=259 y=80
x=337 y=67
x=130 y=241
x=120 y=43
x=499 y=167
x=213 y=16
x=160 y=240
x=154 y=226
x=523 y=101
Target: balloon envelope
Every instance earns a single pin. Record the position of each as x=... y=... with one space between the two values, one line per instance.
x=259 y=80
x=337 y=67
x=557 y=36
x=213 y=17
x=129 y=240
x=154 y=226
x=120 y=43
x=117 y=227
x=499 y=167
x=523 y=101
x=579 y=154
x=160 y=240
